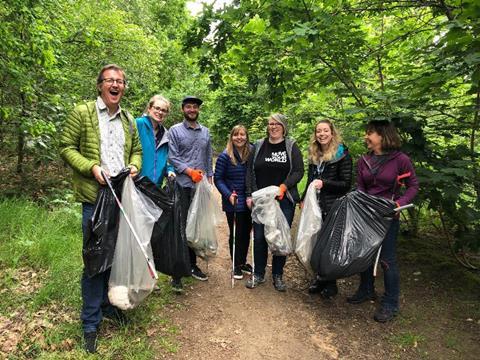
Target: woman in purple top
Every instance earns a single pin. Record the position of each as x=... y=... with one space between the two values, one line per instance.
x=382 y=172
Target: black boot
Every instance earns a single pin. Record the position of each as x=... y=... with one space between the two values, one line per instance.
x=316 y=286
x=278 y=283
x=90 y=342
x=330 y=289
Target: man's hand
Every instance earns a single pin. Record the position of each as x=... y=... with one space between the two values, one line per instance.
x=133 y=171
x=97 y=174
x=281 y=192
x=195 y=174
x=171 y=175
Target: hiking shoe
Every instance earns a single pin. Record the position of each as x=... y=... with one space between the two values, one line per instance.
x=246 y=269
x=254 y=281
x=278 y=283
x=198 y=274
x=316 y=286
x=384 y=314
x=90 y=342
x=237 y=273
x=329 y=291
x=117 y=316
x=177 y=286
x=361 y=297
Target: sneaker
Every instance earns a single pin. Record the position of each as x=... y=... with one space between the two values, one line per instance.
x=198 y=274
x=384 y=314
x=329 y=291
x=90 y=342
x=246 y=269
x=254 y=281
x=278 y=283
x=316 y=286
x=177 y=286
x=117 y=316
x=237 y=273
x=361 y=297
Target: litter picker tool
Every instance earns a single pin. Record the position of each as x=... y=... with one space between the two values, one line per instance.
x=234 y=229
x=151 y=267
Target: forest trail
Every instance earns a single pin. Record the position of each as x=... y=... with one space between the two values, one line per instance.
x=218 y=322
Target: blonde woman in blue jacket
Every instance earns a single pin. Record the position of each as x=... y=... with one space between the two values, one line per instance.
x=154 y=139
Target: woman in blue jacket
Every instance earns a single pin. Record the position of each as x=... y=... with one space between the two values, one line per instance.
x=229 y=177
x=154 y=139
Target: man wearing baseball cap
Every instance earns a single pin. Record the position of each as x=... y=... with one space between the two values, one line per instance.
x=190 y=153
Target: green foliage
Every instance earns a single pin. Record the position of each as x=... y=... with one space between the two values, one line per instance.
x=415 y=63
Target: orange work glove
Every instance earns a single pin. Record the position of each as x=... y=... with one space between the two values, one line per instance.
x=195 y=175
x=281 y=192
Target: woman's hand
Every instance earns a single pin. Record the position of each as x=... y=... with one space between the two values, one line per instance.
x=318 y=184
x=249 y=202
x=233 y=198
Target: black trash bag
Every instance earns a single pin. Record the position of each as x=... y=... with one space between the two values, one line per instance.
x=159 y=196
x=102 y=228
x=169 y=244
x=351 y=235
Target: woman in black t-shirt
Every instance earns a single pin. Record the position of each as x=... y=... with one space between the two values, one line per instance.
x=276 y=160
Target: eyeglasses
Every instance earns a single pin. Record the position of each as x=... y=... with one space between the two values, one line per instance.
x=110 y=81
x=273 y=124
x=159 y=108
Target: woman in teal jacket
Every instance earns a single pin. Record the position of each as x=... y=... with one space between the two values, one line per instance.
x=154 y=139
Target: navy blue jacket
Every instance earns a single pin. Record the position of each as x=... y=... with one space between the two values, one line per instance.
x=228 y=177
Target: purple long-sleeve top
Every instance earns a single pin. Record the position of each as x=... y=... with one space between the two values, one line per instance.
x=381 y=180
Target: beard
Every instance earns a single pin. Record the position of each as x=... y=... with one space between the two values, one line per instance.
x=191 y=117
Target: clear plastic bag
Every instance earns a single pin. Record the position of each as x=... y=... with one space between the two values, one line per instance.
x=266 y=210
x=308 y=228
x=202 y=219
x=130 y=278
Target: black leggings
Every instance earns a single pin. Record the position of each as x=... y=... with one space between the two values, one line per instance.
x=243 y=227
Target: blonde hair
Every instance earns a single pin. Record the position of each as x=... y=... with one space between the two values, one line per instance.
x=315 y=153
x=157 y=98
x=230 y=147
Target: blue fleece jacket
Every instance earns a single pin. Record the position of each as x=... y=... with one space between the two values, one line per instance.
x=154 y=158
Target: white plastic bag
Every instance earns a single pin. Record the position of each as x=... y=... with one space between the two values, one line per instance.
x=130 y=278
x=202 y=219
x=266 y=210
x=308 y=228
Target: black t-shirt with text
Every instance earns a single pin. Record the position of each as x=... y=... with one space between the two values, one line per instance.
x=272 y=164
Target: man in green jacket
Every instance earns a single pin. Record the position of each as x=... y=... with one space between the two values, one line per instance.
x=99 y=136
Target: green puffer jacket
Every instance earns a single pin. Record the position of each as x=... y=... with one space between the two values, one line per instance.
x=80 y=148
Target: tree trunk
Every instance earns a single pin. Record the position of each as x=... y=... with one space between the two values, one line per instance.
x=21 y=137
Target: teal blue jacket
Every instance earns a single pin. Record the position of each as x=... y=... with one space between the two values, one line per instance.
x=154 y=158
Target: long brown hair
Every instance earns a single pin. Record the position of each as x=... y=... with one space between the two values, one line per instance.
x=387 y=130
x=315 y=153
x=230 y=147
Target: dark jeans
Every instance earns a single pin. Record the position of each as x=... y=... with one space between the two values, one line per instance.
x=94 y=289
x=186 y=196
x=261 y=246
x=391 y=275
x=243 y=226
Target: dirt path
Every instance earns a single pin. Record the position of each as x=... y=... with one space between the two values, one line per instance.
x=218 y=322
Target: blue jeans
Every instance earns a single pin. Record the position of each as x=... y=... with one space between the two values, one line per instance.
x=94 y=289
x=391 y=275
x=260 y=245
